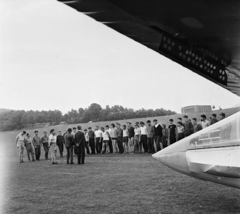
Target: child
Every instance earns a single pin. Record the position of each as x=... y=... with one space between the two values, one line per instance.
x=125 y=139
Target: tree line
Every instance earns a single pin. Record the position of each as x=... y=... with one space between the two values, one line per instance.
x=17 y=119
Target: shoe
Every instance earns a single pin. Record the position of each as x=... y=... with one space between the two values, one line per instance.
x=33 y=160
x=71 y=163
x=67 y=163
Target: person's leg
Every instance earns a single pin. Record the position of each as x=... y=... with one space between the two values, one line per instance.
x=36 y=153
x=79 y=154
x=68 y=155
x=39 y=151
x=136 y=144
x=157 y=143
x=145 y=144
x=140 y=143
x=28 y=152
x=71 y=154
x=115 y=145
x=21 y=155
x=82 y=154
x=160 y=142
x=97 y=144
x=110 y=146
x=100 y=145
x=103 y=146
x=107 y=147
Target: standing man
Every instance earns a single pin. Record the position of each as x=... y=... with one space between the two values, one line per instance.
x=188 y=126
x=80 y=145
x=60 y=142
x=120 y=138
x=172 y=132
x=29 y=147
x=52 y=140
x=98 y=138
x=91 y=137
x=110 y=140
x=143 y=138
x=87 y=141
x=69 y=142
x=73 y=133
x=196 y=125
x=205 y=122
x=20 y=138
x=131 y=137
x=150 y=134
x=214 y=119
x=158 y=135
x=37 y=145
x=45 y=144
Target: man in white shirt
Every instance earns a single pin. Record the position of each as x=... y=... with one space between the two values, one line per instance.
x=205 y=122
x=20 y=138
x=143 y=138
x=98 y=139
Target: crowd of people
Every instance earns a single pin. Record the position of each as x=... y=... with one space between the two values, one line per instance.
x=116 y=138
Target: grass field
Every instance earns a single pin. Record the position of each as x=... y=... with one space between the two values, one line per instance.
x=105 y=184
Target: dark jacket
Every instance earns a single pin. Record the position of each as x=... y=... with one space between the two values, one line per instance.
x=158 y=130
x=69 y=140
x=60 y=140
x=80 y=138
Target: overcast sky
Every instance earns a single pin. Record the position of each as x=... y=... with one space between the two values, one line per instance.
x=53 y=57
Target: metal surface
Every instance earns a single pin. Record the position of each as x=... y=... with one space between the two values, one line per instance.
x=209 y=26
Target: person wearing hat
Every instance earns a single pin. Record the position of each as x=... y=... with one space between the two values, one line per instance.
x=214 y=119
x=205 y=122
x=20 y=138
x=188 y=126
x=222 y=116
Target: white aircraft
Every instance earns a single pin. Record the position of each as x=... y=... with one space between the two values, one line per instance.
x=212 y=154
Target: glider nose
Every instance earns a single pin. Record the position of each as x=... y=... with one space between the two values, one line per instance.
x=174 y=158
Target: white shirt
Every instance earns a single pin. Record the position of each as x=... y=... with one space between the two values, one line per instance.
x=205 y=124
x=20 y=138
x=143 y=130
x=137 y=131
x=86 y=137
x=52 y=139
x=98 y=133
x=105 y=135
x=125 y=133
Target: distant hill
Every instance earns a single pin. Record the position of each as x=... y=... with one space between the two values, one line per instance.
x=3 y=110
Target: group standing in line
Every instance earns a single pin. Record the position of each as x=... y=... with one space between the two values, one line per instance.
x=137 y=138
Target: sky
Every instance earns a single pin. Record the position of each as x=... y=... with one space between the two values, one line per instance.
x=53 y=57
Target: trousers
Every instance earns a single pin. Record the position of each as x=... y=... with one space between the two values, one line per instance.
x=46 y=149
x=29 y=149
x=69 y=154
x=38 y=152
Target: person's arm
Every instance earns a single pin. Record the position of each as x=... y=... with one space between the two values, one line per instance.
x=34 y=143
x=17 y=139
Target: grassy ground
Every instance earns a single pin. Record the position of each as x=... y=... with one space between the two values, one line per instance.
x=105 y=184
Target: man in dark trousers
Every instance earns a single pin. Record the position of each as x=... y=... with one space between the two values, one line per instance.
x=69 y=143
x=80 y=145
x=60 y=142
x=158 y=135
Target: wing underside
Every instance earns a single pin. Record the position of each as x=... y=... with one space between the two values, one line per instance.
x=201 y=35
